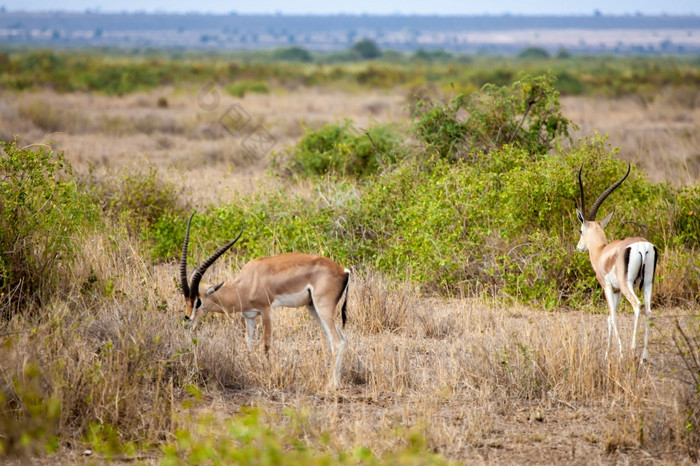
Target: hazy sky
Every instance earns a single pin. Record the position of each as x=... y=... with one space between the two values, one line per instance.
x=442 y=7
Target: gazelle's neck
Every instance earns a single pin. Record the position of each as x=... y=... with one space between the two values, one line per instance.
x=596 y=243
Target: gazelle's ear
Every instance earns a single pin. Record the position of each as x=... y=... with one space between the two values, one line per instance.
x=579 y=215
x=213 y=289
x=607 y=219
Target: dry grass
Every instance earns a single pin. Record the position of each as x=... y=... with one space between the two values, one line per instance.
x=483 y=380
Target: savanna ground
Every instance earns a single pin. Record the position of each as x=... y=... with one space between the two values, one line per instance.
x=473 y=379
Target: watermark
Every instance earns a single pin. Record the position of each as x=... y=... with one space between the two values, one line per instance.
x=257 y=141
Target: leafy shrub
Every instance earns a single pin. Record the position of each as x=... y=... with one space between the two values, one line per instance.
x=366 y=49
x=569 y=84
x=293 y=54
x=40 y=211
x=688 y=219
x=431 y=55
x=526 y=115
x=533 y=53
x=343 y=149
x=241 y=88
x=380 y=76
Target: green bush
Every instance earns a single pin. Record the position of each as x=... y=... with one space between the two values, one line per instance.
x=366 y=49
x=431 y=55
x=40 y=211
x=688 y=219
x=569 y=84
x=293 y=54
x=241 y=88
x=346 y=150
x=526 y=115
x=535 y=53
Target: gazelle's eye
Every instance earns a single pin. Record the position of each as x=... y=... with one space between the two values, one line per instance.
x=197 y=303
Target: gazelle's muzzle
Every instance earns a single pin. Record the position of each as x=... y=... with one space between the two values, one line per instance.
x=189 y=312
x=188 y=322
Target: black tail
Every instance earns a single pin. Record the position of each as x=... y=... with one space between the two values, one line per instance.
x=344 y=309
x=653 y=266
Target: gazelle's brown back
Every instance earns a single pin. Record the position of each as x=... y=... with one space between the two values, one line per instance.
x=321 y=273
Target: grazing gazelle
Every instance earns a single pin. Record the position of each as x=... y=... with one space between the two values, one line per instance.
x=618 y=265
x=289 y=280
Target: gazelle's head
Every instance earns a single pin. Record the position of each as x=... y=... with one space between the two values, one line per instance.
x=592 y=231
x=198 y=297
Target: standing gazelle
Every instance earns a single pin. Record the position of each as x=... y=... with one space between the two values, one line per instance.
x=289 y=280
x=618 y=265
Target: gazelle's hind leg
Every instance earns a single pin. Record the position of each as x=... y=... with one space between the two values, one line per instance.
x=636 y=306
x=323 y=311
x=647 y=325
x=650 y=266
x=634 y=268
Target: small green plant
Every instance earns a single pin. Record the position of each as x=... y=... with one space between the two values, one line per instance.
x=29 y=418
x=241 y=88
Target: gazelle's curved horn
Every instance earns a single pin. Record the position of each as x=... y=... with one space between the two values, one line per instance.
x=606 y=193
x=183 y=261
x=199 y=271
x=582 y=206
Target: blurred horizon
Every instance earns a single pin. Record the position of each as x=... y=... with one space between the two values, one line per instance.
x=364 y=7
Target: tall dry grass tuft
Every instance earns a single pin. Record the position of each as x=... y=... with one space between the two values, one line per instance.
x=380 y=306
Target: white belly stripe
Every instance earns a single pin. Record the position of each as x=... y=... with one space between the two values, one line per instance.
x=299 y=299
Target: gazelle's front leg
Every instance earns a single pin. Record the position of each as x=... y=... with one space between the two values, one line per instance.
x=250 y=323
x=267 y=328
